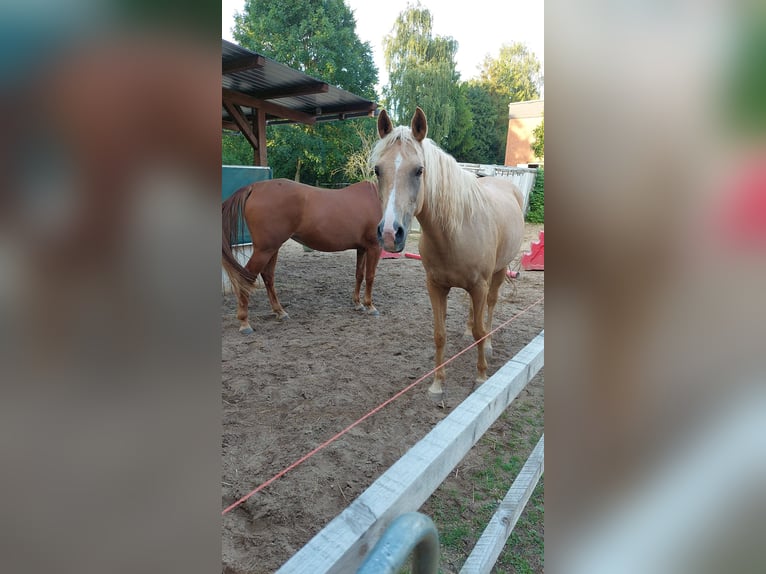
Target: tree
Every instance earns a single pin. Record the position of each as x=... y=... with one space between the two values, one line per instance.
x=358 y=166
x=422 y=72
x=235 y=149
x=486 y=146
x=317 y=37
x=514 y=74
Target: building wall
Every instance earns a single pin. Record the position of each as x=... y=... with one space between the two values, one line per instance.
x=523 y=118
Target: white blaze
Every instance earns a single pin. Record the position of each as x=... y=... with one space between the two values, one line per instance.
x=390 y=215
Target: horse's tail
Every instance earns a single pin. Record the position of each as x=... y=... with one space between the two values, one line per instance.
x=232 y=209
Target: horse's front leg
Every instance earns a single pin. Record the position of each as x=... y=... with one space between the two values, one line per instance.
x=360 y=257
x=371 y=266
x=438 y=295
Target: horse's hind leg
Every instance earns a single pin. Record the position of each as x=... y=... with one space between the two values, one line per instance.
x=371 y=266
x=255 y=265
x=492 y=296
x=243 y=300
x=360 y=257
x=469 y=322
x=479 y=300
x=268 y=281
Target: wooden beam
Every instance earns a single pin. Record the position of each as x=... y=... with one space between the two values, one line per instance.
x=268 y=107
x=342 y=545
x=368 y=112
x=246 y=63
x=239 y=120
x=314 y=88
x=488 y=548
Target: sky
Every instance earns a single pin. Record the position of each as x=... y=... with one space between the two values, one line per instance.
x=479 y=31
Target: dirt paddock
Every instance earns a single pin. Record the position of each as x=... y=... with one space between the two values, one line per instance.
x=291 y=385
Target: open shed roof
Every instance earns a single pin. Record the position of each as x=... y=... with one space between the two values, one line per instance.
x=252 y=81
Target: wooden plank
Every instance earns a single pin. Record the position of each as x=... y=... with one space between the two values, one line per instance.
x=342 y=545
x=268 y=107
x=484 y=555
x=288 y=92
x=245 y=63
x=239 y=119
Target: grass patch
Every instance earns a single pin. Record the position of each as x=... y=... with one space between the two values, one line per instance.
x=463 y=505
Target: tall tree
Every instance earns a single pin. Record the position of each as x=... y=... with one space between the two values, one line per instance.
x=486 y=146
x=422 y=72
x=317 y=37
x=514 y=74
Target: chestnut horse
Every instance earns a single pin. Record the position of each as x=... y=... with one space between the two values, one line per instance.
x=322 y=219
x=471 y=228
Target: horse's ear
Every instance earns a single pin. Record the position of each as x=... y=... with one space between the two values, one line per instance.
x=385 y=126
x=419 y=125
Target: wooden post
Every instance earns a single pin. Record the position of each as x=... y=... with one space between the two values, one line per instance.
x=259 y=129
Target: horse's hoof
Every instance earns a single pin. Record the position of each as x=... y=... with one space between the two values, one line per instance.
x=246 y=330
x=374 y=312
x=282 y=316
x=437 y=398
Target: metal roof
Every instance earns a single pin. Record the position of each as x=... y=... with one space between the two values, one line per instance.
x=252 y=80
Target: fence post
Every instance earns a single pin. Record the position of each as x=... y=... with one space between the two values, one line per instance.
x=411 y=531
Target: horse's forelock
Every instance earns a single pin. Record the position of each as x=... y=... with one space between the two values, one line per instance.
x=398 y=134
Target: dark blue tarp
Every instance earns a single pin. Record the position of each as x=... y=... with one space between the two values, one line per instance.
x=234 y=177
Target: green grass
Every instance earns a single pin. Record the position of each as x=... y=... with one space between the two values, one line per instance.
x=462 y=506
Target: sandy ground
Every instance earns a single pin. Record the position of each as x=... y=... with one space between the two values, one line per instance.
x=291 y=385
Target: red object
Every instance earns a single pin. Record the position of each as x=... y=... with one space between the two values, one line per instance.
x=535 y=259
x=388 y=255
x=412 y=255
x=742 y=211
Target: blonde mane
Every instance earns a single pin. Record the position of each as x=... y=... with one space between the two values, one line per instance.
x=451 y=193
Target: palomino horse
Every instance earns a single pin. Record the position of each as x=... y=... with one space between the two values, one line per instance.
x=322 y=219
x=471 y=228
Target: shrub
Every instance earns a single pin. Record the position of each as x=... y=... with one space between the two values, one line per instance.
x=536 y=213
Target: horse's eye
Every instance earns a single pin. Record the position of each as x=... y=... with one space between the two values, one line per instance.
x=377 y=171
x=419 y=171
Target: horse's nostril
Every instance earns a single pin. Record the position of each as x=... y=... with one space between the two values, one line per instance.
x=380 y=230
x=399 y=233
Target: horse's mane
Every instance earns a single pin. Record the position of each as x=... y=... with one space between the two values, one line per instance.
x=452 y=193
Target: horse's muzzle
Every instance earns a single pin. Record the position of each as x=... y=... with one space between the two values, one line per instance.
x=392 y=240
